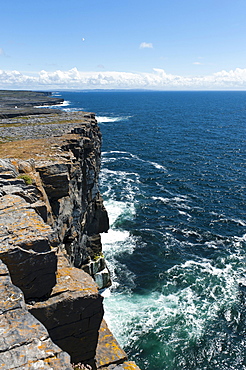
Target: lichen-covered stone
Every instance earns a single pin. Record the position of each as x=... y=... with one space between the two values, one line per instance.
x=26 y=247
x=73 y=312
x=24 y=341
x=108 y=349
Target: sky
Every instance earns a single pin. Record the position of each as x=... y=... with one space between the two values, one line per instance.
x=116 y=44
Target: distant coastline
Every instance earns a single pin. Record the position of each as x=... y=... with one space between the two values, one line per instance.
x=15 y=103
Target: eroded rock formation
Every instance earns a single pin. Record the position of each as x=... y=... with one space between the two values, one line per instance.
x=24 y=342
x=51 y=217
x=72 y=313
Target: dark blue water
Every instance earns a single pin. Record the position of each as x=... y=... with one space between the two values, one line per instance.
x=173 y=179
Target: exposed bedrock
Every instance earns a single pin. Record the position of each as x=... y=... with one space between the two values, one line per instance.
x=51 y=217
x=73 y=312
x=24 y=342
x=26 y=247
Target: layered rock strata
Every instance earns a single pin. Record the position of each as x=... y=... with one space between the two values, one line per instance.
x=51 y=217
x=72 y=313
x=24 y=342
x=63 y=172
x=26 y=246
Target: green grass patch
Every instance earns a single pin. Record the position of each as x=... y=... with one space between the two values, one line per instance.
x=28 y=180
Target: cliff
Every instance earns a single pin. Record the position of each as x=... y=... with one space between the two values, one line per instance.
x=52 y=265
x=20 y=103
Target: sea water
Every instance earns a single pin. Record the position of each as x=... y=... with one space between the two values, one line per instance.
x=173 y=182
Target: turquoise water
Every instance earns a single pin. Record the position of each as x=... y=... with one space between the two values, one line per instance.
x=173 y=181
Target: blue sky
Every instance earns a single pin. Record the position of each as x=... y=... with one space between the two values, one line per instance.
x=155 y=44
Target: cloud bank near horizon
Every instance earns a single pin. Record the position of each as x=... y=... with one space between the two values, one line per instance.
x=157 y=80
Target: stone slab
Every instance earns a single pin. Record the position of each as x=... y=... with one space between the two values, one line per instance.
x=108 y=349
x=24 y=341
x=73 y=312
x=26 y=247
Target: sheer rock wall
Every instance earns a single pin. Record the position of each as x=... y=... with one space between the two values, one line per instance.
x=51 y=217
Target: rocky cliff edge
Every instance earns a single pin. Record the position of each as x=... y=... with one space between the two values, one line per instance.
x=52 y=265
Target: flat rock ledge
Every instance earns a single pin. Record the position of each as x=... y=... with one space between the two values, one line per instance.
x=51 y=262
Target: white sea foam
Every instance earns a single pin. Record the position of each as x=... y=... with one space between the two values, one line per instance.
x=63 y=104
x=182 y=213
x=162 y=199
x=108 y=160
x=118 y=240
x=115 y=243
x=238 y=221
x=193 y=292
x=105 y=119
x=118 y=208
x=111 y=181
x=224 y=218
x=176 y=202
x=240 y=238
x=177 y=314
x=137 y=158
x=118 y=173
x=115 y=152
x=73 y=109
x=130 y=317
x=212 y=245
x=133 y=317
x=114 y=239
x=158 y=166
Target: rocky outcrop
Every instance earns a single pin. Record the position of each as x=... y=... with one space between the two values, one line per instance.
x=72 y=313
x=63 y=173
x=26 y=247
x=51 y=217
x=24 y=341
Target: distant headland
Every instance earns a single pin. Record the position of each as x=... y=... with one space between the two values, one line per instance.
x=15 y=103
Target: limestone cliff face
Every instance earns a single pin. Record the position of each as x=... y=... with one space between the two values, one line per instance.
x=24 y=341
x=63 y=190
x=71 y=185
x=51 y=217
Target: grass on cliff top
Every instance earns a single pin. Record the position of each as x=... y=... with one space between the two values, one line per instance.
x=39 y=149
x=17 y=146
x=48 y=122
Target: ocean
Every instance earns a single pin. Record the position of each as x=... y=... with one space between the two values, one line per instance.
x=173 y=182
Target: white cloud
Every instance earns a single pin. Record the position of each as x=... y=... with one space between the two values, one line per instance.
x=197 y=63
x=158 y=80
x=146 y=45
x=2 y=51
